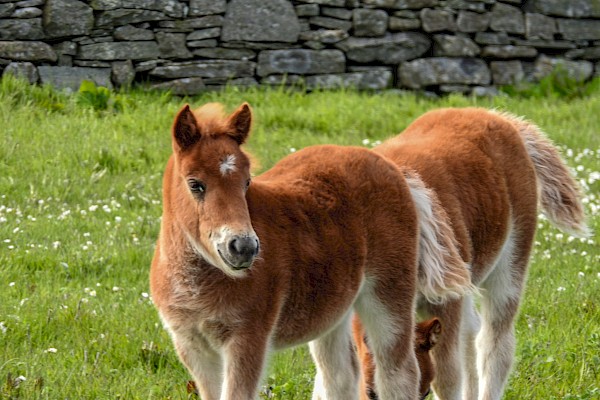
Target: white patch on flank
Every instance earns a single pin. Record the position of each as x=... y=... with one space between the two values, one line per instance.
x=227 y=165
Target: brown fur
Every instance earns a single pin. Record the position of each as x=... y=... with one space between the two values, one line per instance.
x=426 y=336
x=486 y=169
x=239 y=271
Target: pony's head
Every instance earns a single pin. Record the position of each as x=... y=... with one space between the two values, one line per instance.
x=213 y=175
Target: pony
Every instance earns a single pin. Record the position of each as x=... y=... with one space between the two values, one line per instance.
x=427 y=334
x=247 y=265
x=488 y=171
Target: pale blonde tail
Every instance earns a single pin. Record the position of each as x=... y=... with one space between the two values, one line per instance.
x=442 y=272
x=560 y=195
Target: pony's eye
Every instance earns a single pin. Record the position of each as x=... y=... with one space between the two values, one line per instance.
x=248 y=183
x=196 y=186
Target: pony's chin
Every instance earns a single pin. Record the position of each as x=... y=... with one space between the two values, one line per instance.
x=231 y=269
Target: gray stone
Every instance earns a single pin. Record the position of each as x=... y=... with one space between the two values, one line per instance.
x=508 y=51
x=124 y=16
x=260 y=45
x=477 y=6
x=63 y=18
x=6 y=10
x=437 y=20
x=225 y=54
x=171 y=8
x=391 y=49
x=90 y=63
x=454 y=88
x=172 y=45
x=334 y=3
x=206 y=69
x=17 y=29
x=314 y=45
x=492 y=38
x=30 y=3
x=66 y=48
x=507 y=72
x=192 y=24
x=580 y=70
x=369 y=23
x=404 y=24
x=207 y=7
x=27 y=12
x=24 y=70
x=260 y=20
x=454 y=46
x=591 y=53
x=440 y=71
x=119 y=51
x=484 y=91
x=300 y=61
x=505 y=18
x=468 y=21
x=402 y=4
x=339 y=13
x=331 y=23
x=122 y=73
x=70 y=78
x=203 y=43
x=204 y=34
x=27 y=51
x=182 y=86
x=375 y=79
x=324 y=35
x=129 y=32
x=307 y=10
x=538 y=26
x=572 y=29
x=566 y=8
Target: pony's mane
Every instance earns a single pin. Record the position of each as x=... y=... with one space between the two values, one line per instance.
x=211 y=119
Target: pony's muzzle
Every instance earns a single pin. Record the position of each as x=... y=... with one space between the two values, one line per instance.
x=242 y=251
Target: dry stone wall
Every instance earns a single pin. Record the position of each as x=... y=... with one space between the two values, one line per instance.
x=189 y=46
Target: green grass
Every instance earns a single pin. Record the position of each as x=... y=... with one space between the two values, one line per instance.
x=80 y=204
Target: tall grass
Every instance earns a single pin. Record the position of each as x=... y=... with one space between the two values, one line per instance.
x=80 y=208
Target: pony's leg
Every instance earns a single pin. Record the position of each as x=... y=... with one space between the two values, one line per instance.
x=499 y=305
x=337 y=365
x=202 y=361
x=389 y=324
x=449 y=374
x=469 y=328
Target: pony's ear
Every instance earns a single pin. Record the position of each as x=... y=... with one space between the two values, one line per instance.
x=185 y=129
x=240 y=122
x=428 y=333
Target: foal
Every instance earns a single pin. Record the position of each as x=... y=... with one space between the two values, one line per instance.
x=488 y=171
x=244 y=268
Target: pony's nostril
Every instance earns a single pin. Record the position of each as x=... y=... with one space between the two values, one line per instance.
x=243 y=247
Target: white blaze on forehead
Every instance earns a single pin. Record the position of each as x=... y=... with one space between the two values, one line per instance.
x=227 y=165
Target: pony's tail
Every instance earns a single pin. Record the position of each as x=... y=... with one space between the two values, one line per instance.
x=442 y=274
x=560 y=195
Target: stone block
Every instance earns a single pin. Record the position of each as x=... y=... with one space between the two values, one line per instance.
x=492 y=38
x=6 y=9
x=21 y=29
x=508 y=51
x=374 y=79
x=129 y=32
x=300 y=61
x=307 y=10
x=468 y=21
x=437 y=20
x=64 y=18
x=170 y=8
x=189 y=25
x=225 y=54
x=124 y=16
x=70 y=78
x=538 y=26
x=404 y=24
x=182 y=86
x=206 y=69
x=333 y=3
x=369 y=23
x=331 y=23
x=260 y=20
x=573 y=29
x=110 y=51
x=172 y=45
x=391 y=49
x=580 y=70
x=433 y=71
x=204 y=34
x=27 y=12
x=454 y=46
x=327 y=36
x=505 y=18
x=27 y=51
x=507 y=72
x=207 y=7
x=122 y=73
x=24 y=70
x=565 y=8
x=339 y=13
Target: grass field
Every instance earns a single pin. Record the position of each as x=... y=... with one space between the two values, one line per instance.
x=80 y=204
